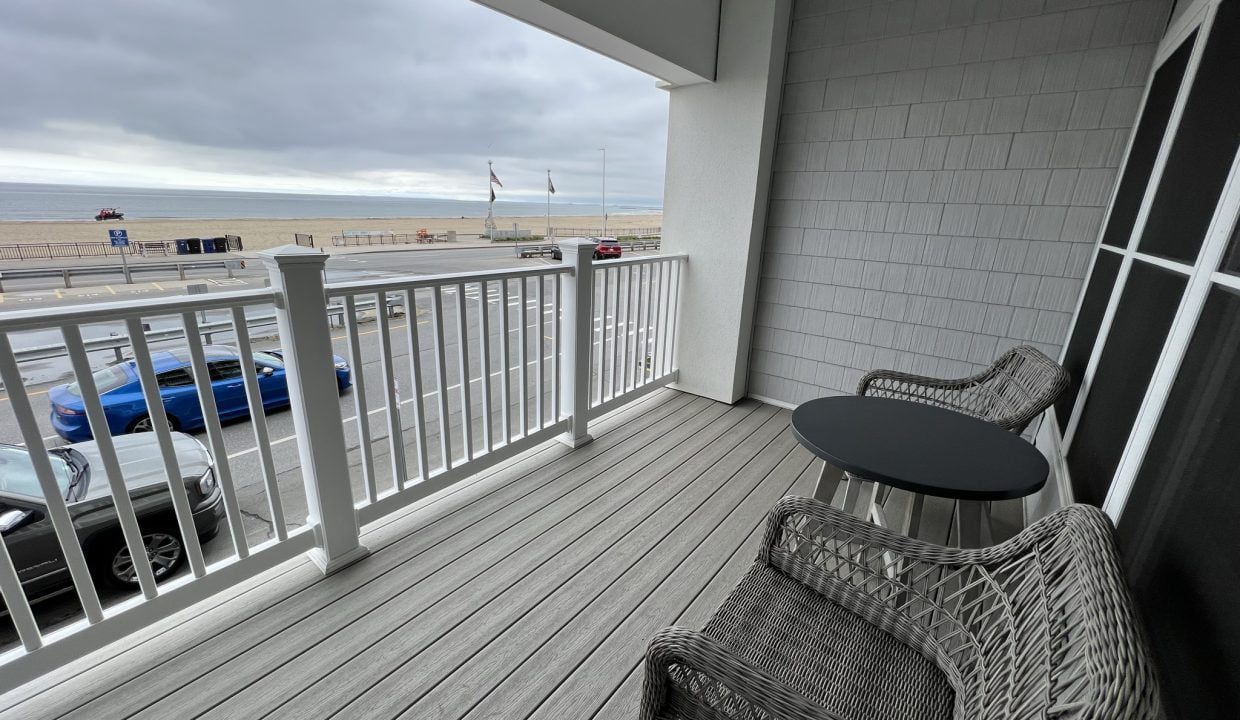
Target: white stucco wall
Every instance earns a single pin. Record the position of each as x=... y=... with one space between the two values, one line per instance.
x=721 y=139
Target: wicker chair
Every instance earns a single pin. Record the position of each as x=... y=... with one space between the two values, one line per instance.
x=1011 y=393
x=1017 y=388
x=839 y=619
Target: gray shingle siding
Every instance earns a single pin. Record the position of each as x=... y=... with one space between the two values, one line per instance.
x=940 y=178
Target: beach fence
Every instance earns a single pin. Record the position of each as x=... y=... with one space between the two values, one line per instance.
x=641 y=232
x=53 y=251
x=370 y=237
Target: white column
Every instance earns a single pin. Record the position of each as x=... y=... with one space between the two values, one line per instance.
x=576 y=327
x=301 y=314
x=715 y=202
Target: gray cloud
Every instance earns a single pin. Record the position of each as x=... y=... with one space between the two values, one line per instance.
x=364 y=91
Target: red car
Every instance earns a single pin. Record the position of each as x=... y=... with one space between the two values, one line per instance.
x=606 y=249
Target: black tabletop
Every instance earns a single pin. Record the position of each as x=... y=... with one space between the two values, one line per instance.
x=920 y=448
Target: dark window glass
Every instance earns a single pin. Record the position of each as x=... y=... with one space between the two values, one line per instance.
x=225 y=369
x=106 y=380
x=1146 y=309
x=1085 y=331
x=1231 y=264
x=175 y=378
x=1202 y=151
x=1145 y=144
x=1179 y=534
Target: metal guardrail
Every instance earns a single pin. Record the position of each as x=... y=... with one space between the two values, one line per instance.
x=66 y=274
x=527 y=251
x=118 y=342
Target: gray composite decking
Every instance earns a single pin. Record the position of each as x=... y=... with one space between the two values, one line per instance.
x=527 y=592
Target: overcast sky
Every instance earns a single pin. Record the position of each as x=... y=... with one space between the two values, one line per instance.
x=364 y=96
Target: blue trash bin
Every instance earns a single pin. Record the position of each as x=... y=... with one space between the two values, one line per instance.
x=182 y=246
x=208 y=245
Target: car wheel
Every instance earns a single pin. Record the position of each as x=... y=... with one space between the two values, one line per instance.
x=146 y=424
x=164 y=551
x=597 y=256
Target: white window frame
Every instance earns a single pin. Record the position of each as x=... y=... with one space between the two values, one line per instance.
x=1201 y=275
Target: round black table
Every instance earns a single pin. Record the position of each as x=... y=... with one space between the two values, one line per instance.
x=923 y=449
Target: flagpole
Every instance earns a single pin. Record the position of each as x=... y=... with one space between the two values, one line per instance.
x=490 y=203
x=548 y=203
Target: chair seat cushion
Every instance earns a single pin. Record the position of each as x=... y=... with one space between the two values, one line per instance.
x=827 y=653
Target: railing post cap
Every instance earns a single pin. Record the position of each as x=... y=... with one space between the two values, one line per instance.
x=287 y=255
x=576 y=242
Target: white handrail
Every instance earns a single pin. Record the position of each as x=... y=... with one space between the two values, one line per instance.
x=19 y=320
x=418 y=282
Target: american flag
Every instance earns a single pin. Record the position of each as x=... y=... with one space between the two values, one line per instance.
x=550 y=187
x=495 y=179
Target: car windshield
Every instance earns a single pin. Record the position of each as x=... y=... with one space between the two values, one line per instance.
x=268 y=360
x=106 y=379
x=17 y=472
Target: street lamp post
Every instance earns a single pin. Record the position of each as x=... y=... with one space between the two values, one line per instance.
x=604 y=151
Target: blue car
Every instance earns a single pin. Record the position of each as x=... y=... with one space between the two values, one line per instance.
x=125 y=406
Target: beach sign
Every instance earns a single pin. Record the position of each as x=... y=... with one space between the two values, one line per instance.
x=120 y=239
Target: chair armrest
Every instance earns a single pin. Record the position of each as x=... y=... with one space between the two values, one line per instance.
x=713 y=676
x=827 y=522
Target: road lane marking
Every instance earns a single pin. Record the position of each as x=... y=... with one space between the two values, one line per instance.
x=161 y=287
x=109 y=287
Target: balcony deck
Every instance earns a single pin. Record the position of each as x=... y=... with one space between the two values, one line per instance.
x=529 y=591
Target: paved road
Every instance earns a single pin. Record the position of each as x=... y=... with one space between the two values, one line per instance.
x=243 y=459
x=23 y=293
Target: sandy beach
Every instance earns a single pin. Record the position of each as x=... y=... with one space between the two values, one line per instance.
x=259 y=234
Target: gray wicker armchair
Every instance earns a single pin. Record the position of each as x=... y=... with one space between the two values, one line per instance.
x=1017 y=388
x=839 y=619
x=1011 y=393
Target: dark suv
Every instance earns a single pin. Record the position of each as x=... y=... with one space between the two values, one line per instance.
x=32 y=541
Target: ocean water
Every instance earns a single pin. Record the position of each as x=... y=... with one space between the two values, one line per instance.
x=21 y=201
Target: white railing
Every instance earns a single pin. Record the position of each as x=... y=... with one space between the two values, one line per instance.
x=483 y=366
x=39 y=652
x=634 y=331
x=470 y=378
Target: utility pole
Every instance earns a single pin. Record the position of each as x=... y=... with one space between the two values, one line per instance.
x=604 y=151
